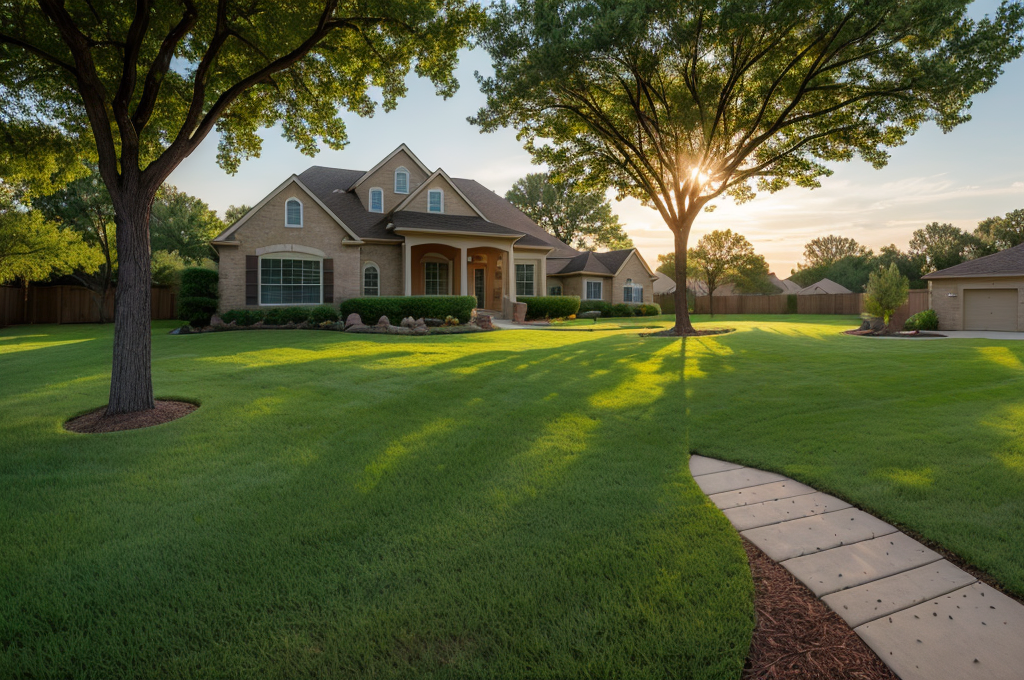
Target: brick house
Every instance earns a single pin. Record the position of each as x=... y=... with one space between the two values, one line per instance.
x=329 y=234
x=986 y=294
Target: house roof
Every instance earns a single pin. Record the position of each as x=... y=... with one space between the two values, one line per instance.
x=663 y=284
x=784 y=285
x=587 y=262
x=1009 y=262
x=827 y=286
x=438 y=174
x=468 y=224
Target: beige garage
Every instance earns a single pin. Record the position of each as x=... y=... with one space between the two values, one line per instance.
x=990 y=310
x=986 y=294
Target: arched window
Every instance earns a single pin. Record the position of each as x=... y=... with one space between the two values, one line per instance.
x=371 y=280
x=293 y=213
x=401 y=181
x=376 y=200
x=435 y=201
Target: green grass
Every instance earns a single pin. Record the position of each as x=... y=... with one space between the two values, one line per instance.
x=616 y=323
x=505 y=504
x=513 y=504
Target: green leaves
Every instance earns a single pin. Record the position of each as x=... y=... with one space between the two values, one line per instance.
x=886 y=292
x=577 y=217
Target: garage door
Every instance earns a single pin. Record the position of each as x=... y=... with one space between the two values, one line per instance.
x=990 y=310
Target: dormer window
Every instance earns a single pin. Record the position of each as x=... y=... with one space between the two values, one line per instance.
x=293 y=213
x=401 y=181
x=435 y=201
x=376 y=200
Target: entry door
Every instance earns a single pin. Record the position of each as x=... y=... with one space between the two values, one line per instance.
x=990 y=310
x=478 y=286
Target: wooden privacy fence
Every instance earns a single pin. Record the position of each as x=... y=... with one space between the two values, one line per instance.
x=72 y=304
x=845 y=303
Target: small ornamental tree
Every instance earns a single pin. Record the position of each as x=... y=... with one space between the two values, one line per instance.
x=724 y=257
x=141 y=84
x=887 y=292
x=680 y=102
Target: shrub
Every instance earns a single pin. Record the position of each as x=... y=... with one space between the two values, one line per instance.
x=620 y=310
x=244 y=317
x=198 y=301
x=198 y=282
x=791 y=301
x=281 y=316
x=595 y=306
x=323 y=314
x=397 y=307
x=648 y=309
x=551 y=306
x=927 y=320
x=886 y=292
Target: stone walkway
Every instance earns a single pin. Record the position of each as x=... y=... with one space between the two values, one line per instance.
x=924 y=617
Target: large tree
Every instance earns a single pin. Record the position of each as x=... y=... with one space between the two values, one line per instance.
x=578 y=218
x=680 y=102
x=944 y=245
x=145 y=82
x=827 y=250
x=724 y=257
x=1000 y=233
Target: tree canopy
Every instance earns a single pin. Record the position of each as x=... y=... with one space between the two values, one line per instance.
x=680 y=102
x=827 y=250
x=34 y=249
x=183 y=225
x=724 y=257
x=139 y=85
x=1000 y=233
x=576 y=217
x=944 y=245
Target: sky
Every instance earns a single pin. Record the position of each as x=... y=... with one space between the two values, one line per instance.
x=975 y=171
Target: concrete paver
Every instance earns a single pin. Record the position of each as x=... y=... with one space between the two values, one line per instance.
x=782 y=510
x=810 y=535
x=974 y=633
x=700 y=465
x=860 y=563
x=760 y=494
x=891 y=594
x=730 y=480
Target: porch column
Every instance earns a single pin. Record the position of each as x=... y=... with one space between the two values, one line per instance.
x=464 y=271
x=407 y=266
x=510 y=275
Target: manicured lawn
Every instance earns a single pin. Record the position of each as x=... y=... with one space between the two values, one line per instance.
x=514 y=503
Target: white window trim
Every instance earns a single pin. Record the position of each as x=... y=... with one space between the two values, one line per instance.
x=369 y=200
x=302 y=212
x=437 y=258
x=362 y=283
x=533 y=283
x=586 y=289
x=283 y=255
x=431 y=191
x=402 y=168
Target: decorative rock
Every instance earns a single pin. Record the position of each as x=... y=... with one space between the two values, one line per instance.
x=398 y=330
x=353 y=320
x=409 y=322
x=433 y=322
x=383 y=322
x=519 y=312
x=484 y=322
x=215 y=321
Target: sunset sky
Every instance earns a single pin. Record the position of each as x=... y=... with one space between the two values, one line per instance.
x=974 y=172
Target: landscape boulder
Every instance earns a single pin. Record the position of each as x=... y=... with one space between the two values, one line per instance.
x=353 y=320
x=433 y=323
x=383 y=322
x=484 y=322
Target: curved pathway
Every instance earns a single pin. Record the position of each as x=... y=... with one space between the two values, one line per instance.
x=924 y=617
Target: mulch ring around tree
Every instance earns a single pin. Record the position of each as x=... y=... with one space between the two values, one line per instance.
x=797 y=636
x=98 y=420
x=670 y=333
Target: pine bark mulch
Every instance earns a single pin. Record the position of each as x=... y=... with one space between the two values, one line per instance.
x=98 y=420
x=798 y=636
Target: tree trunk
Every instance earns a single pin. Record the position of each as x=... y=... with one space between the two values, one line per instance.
x=683 y=325
x=131 y=383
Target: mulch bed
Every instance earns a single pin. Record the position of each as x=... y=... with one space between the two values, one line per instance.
x=910 y=335
x=671 y=334
x=99 y=421
x=798 y=636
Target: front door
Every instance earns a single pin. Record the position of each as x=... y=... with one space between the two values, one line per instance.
x=478 y=286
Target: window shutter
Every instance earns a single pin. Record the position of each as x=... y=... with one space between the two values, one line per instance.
x=328 y=280
x=252 y=282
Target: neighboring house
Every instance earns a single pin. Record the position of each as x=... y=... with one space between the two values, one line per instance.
x=986 y=294
x=401 y=228
x=785 y=286
x=663 y=284
x=824 y=287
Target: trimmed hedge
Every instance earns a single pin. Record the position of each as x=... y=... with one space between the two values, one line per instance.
x=397 y=307
x=927 y=320
x=595 y=306
x=198 y=301
x=648 y=309
x=244 y=317
x=323 y=314
x=282 y=316
x=620 y=310
x=551 y=306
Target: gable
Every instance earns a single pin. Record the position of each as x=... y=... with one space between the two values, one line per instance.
x=383 y=177
x=454 y=201
x=266 y=221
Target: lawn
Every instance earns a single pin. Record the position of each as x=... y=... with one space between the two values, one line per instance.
x=506 y=504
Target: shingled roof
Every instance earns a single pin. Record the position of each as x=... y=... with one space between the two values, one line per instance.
x=1009 y=262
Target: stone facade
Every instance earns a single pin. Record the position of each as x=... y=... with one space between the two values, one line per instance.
x=389 y=263
x=266 y=228
x=950 y=310
x=633 y=269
